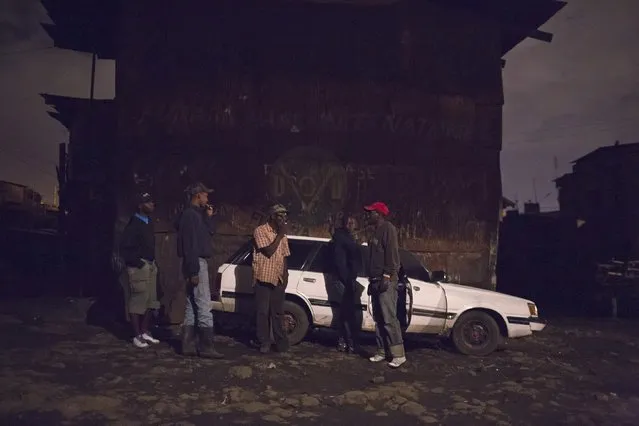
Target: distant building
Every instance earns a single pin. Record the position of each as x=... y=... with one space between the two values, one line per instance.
x=601 y=193
x=15 y=195
x=22 y=207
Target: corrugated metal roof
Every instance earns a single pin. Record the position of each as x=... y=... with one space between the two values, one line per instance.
x=618 y=149
x=90 y=25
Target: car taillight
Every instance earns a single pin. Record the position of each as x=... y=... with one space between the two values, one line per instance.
x=217 y=288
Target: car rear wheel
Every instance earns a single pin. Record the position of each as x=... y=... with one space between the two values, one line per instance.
x=296 y=323
x=476 y=333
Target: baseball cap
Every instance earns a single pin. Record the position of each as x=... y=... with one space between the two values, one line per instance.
x=277 y=208
x=196 y=188
x=144 y=198
x=378 y=207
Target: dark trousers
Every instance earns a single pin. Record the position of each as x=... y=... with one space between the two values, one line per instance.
x=269 y=301
x=350 y=314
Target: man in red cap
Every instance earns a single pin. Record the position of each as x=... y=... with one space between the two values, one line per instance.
x=383 y=268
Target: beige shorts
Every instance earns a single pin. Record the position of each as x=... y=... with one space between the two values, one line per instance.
x=143 y=285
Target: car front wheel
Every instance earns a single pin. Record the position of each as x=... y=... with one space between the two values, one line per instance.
x=296 y=323
x=476 y=333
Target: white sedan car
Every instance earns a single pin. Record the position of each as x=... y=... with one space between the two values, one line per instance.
x=476 y=320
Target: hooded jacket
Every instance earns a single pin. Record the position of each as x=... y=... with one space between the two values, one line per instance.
x=347 y=257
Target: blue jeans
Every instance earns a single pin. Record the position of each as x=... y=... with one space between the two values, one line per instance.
x=198 y=300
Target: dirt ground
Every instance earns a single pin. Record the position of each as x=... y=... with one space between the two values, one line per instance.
x=55 y=369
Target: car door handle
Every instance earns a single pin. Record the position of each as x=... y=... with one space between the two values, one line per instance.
x=309 y=280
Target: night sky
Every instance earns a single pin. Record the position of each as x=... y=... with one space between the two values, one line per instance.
x=563 y=99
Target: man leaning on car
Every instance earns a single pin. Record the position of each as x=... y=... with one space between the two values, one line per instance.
x=383 y=272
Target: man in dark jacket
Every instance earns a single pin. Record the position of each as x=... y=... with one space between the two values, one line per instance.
x=137 y=248
x=195 y=229
x=347 y=260
x=383 y=273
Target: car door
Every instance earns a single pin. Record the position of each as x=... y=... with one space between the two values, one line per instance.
x=234 y=281
x=302 y=251
x=429 y=306
x=319 y=285
x=316 y=284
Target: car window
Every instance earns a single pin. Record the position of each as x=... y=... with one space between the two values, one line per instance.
x=413 y=267
x=323 y=261
x=243 y=255
x=300 y=250
x=246 y=259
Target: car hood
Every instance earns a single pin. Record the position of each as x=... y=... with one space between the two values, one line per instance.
x=467 y=292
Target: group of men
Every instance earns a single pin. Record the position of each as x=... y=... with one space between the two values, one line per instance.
x=383 y=266
x=270 y=275
x=195 y=228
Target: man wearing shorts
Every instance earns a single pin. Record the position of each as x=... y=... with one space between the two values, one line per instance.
x=137 y=248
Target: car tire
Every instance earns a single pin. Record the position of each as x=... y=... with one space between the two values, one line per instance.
x=298 y=314
x=484 y=337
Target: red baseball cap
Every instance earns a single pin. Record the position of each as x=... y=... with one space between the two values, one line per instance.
x=378 y=207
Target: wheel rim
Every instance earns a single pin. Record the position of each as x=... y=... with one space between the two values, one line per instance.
x=476 y=334
x=289 y=322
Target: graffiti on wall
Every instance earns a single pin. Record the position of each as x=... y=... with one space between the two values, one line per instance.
x=310 y=181
x=447 y=117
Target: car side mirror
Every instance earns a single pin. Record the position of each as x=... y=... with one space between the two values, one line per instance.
x=439 y=276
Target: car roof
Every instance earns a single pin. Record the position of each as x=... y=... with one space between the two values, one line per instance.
x=326 y=240
x=304 y=237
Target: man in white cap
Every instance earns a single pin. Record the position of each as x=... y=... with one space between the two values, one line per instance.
x=137 y=248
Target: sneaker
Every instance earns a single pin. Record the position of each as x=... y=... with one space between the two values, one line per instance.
x=377 y=358
x=139 y=342
x=397 y=362
x=150 y=339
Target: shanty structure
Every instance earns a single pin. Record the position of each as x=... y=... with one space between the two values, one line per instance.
x=319 y=105
x=601 y=193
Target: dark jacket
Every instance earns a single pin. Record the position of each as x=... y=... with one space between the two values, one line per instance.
x=137 y=242
x=347 y=257
x=383 y=251
x=194 y=239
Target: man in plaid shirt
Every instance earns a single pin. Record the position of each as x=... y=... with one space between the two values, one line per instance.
x=270 y=275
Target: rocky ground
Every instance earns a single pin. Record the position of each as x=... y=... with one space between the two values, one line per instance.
x=55 y=369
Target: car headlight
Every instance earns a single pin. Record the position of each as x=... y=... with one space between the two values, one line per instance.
x=532 y=308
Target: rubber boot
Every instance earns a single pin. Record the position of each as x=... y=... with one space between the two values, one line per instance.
x=206 y=347
x=188 y=341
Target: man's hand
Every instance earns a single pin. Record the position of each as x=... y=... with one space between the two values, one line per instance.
x=195 y=280
x=283 y=228
x=210 y=210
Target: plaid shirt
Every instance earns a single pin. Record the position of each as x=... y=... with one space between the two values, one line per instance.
x=268 y=270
